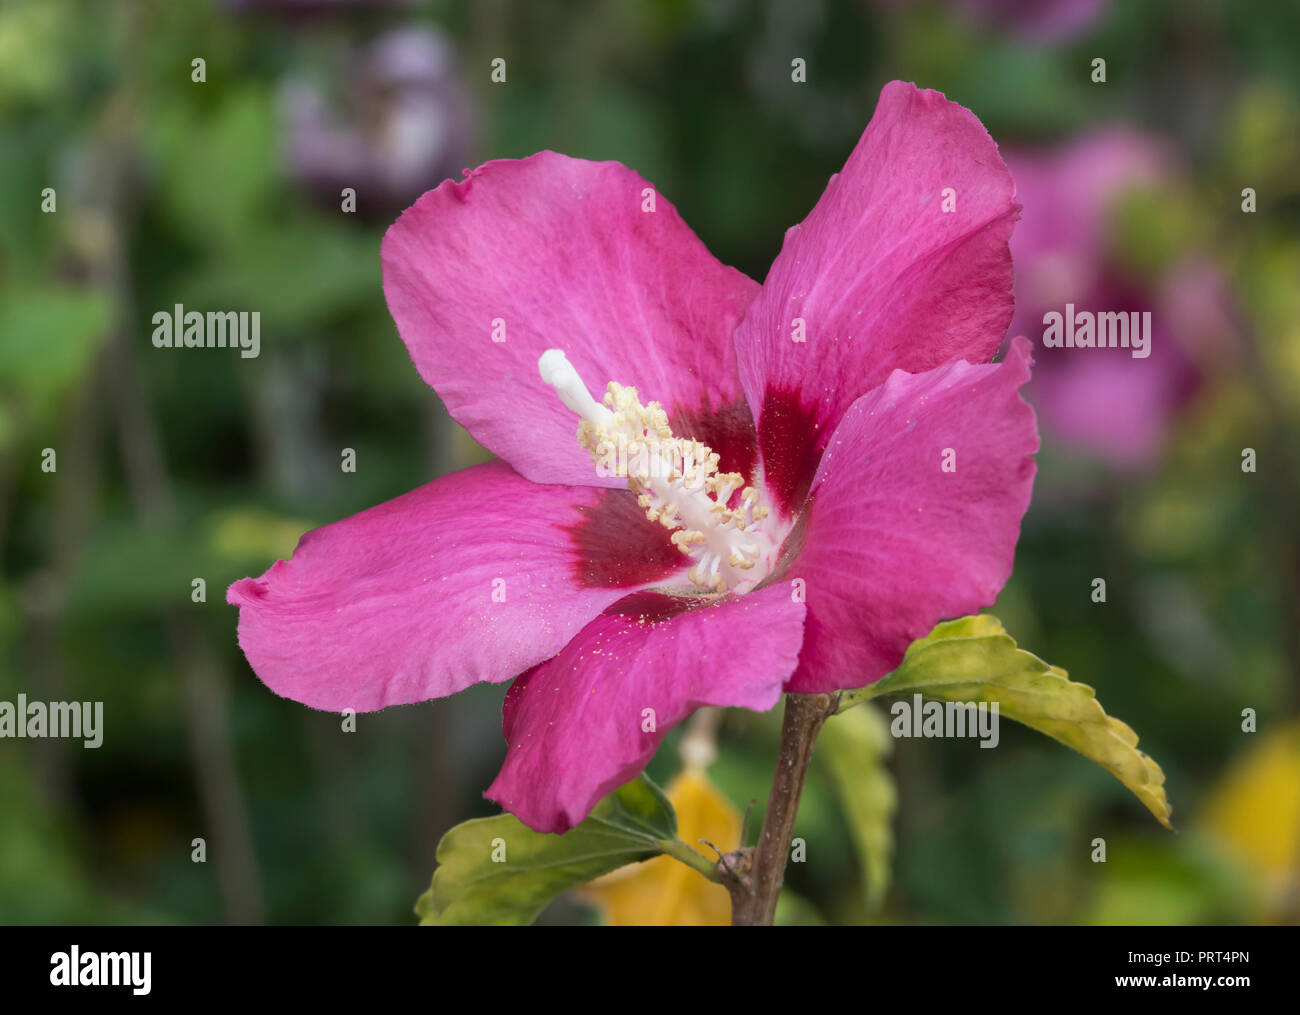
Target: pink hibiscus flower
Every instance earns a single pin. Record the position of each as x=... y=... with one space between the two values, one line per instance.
x=847 y=427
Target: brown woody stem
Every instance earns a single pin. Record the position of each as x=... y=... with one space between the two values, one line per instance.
x=754 y=876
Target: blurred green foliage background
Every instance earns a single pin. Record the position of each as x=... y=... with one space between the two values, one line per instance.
x=174 y=466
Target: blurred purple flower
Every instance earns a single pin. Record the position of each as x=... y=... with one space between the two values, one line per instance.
x=312 y=6
x=403 y=124
x=1105 y=402
x=1041 y=21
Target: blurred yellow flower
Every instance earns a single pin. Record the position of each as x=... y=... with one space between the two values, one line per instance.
x=664 y=892
x=1254 y=810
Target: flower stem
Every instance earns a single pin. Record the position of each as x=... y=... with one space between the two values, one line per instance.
x=678 y=850
x=849 y=699
x=754 y=877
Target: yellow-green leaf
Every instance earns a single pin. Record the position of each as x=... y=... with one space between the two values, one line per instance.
x=852 y=749
x=973 y=659
x=499 y=871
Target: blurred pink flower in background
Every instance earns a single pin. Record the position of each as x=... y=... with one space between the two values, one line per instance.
x=1042 y=21
x=1039 y=22
x=315 y=6
x=1106 y=403
x=401 y=126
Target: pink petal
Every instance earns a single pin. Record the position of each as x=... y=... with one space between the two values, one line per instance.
x=892 y=543
x=395 y=604
x=577 y=727
x=882 y=278
x=560 y=250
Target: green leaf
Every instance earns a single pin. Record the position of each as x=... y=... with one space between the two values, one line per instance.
x=297 y=272
x=229 y=149
x=852 y=748
x=634 y=823
x=51 y=335
x=974 y=659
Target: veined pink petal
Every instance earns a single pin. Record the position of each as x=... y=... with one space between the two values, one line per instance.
x=554 y=252
x=881 y=277
x=893 y=543
x=476 y=576
x=587 y=721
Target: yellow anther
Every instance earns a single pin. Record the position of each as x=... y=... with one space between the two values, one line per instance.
x=676 y=480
